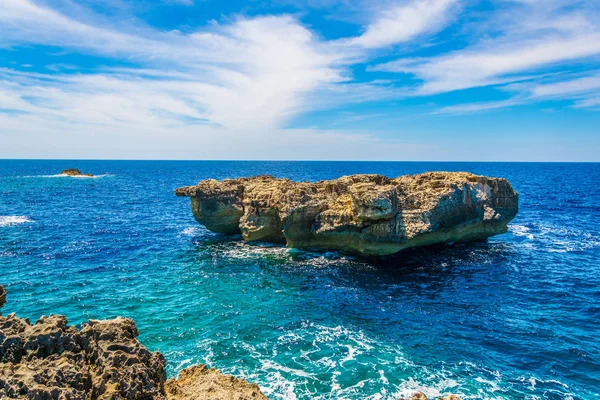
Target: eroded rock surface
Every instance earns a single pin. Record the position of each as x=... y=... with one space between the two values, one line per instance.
x=212 y=384
x=2 y=296
x=421 y=396
x=103 y=360
x=365 y=214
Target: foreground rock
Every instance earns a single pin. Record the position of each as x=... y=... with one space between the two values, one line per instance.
x=2 y=296
x=201 y=382
x=365 y=214
x=74 y=172
x=421 y=396
x=103 y=360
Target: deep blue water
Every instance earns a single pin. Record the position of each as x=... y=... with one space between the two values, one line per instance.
x=517 y=317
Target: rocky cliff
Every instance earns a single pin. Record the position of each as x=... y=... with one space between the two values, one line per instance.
x=364 y=214
x=103 y=360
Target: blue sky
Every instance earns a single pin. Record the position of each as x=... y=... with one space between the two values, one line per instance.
x=300 y=79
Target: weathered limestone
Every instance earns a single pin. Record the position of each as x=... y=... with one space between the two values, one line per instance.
x=103 y=360
x=364 y=214
x=200 y=382
x=421 y=396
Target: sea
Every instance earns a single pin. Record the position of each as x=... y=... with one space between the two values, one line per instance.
x=517 y=317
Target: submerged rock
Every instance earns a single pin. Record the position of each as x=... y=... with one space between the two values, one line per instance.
x=74 y=172
x=103 y=360
x=364 y=214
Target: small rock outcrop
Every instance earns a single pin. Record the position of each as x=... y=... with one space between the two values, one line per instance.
x=422 y=396
x=201 y=382
x=103 y=360
x=364 y=214
x=74 y=172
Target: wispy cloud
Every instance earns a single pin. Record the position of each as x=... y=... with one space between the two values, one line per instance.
x=252 y=73
x=570 y=87
x=478 y=106
x=548 y=35
x=582 y=92
x=493 y=64
x=403 y=22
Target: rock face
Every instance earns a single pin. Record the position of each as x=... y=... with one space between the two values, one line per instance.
x=364 y=214
x=103 y=360
x=74 y=172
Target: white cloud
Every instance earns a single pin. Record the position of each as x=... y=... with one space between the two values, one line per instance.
x=532 y=36
x=583 y=92
x=252 y=73
x=403 y=22
x=478 y=107
x=493 y=63
x=570 y=87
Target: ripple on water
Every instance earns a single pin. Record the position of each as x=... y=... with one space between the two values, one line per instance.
x=555 y=238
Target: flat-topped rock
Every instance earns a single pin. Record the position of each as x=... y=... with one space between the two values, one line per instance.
x=364 y=214
x=74 y=172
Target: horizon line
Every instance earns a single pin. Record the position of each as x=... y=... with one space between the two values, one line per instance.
x=299 y=160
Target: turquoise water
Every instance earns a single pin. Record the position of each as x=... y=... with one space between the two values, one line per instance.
x=517 y=317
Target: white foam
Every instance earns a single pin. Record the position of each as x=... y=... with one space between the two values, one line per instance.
x=10 y=220
x=192 y=231
x=521 y=230
x=554 y=238
x=67 y=176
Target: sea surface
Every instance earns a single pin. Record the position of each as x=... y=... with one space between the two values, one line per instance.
x=515 y=318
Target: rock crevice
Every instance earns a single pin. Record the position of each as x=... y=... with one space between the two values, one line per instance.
x=364 y=214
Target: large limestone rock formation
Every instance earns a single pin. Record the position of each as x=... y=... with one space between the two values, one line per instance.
x=103 y=360
x=365 y=214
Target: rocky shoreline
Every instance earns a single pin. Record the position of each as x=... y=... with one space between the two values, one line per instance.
x=370 y=215
x=50 y=360
x=102 y=360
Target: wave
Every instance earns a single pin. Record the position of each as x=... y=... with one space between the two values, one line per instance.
x=317 y=360
x=193 y=231
x=9 y=220
x=67 y=176
x=554 y=238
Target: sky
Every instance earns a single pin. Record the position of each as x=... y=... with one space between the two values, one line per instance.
x=503 y=80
